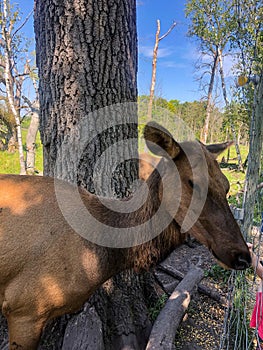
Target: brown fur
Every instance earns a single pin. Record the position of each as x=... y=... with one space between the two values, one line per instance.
x=47 y=269
x=147 y=164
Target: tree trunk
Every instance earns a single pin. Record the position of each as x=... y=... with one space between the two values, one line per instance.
x=232 y=127
x=10 y=82
x=87 y=61
x=154 y=62
x=209 y=99
x=32 y=132
x=31 y=143
x=254 y=158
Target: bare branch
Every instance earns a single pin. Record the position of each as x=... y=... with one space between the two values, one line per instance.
x=22 y=25
x=27 y=101
x=21 y=75
x=168 y=31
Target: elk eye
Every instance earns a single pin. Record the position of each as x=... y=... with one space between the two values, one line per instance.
x=191 y=184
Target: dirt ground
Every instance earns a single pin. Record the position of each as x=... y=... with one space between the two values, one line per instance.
x=202 y=326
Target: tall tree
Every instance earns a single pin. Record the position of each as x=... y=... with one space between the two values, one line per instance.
x=87 y=60
x=15 y=70
x=211 y=23
x=13 y=86
x=248 y=40
x=223 y=84
x=158 y=38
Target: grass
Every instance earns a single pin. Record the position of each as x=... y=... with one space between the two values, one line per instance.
x=235 y=177
x=9 y=162
x=218 y=274
x=157 y=307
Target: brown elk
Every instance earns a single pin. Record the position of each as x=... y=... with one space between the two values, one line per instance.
x=47 y=269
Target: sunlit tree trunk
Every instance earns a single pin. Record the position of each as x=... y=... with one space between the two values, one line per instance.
x=234 y=134
x=31 y=138
x=32 y=130
x=154 y=62
x=154 y=65
x=209 y=106
x=10 y=81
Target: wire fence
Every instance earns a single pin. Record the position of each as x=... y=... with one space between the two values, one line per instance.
x=242 y=289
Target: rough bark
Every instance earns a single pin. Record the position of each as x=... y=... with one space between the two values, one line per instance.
x=169 y=319
x=87 y=60
x=76 y=339
x=86 y=54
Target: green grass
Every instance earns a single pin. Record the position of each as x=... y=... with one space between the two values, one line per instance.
x=235 y=177
x=157 y=307
x=233 y=155
x=9 y=162
x=218 y=274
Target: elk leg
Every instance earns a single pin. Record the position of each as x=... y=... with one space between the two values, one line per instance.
x=24 y=332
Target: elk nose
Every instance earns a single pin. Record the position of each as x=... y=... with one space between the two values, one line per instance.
x=243 y=261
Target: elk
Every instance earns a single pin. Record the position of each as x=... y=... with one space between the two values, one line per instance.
x=47 y=269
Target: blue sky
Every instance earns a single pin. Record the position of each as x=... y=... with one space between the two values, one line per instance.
x=177 y=53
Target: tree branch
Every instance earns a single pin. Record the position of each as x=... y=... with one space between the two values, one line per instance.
x=168 y=31
x=169 y=319
x=22 y=25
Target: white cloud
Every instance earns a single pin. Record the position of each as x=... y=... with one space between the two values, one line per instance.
x=173 y=64
x=147 y=51
x=229 y=61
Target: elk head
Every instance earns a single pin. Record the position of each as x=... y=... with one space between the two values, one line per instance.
x=195 y=195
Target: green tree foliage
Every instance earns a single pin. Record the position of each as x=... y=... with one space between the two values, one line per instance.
x=247 y=34
x=211 y=23
x=238 y=114
x=247 y=41
x=193 y=115
x=14 y=51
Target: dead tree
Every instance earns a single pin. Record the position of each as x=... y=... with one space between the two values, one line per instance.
x=154 y=63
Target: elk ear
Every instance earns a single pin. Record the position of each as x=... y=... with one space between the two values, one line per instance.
x=160 y=141
x=218 y=148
